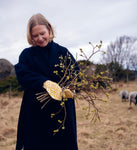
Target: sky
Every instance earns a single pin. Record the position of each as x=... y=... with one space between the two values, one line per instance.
x=76 y=23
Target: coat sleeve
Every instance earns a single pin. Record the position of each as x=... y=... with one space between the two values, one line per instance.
x=27 y=78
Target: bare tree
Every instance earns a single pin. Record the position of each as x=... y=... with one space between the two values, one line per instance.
x=120 y=51
x=133 y=62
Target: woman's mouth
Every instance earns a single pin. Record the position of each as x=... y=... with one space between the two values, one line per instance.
x=41 y=42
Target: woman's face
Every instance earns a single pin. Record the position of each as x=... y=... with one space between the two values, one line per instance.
x=40 y=35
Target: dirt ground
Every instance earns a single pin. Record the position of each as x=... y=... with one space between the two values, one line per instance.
x=117 y=129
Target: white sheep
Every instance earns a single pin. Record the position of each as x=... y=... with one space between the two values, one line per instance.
x=124 y=95
x=133 y=97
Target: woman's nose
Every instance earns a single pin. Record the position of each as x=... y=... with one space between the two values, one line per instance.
x=39 y=37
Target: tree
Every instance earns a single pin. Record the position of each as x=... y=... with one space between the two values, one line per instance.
x=133 y=61
x=120 y=52
x=116 y=70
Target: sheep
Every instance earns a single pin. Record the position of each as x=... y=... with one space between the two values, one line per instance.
x=124 y=95
x=133 y=97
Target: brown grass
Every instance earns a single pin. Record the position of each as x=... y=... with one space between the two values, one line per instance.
x=116 y=131
x=9 y=110
x=118 y=127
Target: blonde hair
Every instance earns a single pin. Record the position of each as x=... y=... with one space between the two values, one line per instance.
x=38 y=19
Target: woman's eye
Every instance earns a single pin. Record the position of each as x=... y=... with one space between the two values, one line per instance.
x=35 y=36
x=42 y=33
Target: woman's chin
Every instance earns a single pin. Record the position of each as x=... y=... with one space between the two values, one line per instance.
x=43 y=44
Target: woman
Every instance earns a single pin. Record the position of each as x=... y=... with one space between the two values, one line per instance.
x=36 y=65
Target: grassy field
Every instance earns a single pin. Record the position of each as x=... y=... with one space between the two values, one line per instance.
x=117 y=129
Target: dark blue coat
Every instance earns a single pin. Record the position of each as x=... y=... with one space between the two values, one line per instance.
x=35 y=126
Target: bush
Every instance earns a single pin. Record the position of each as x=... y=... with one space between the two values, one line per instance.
x=10 y=83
